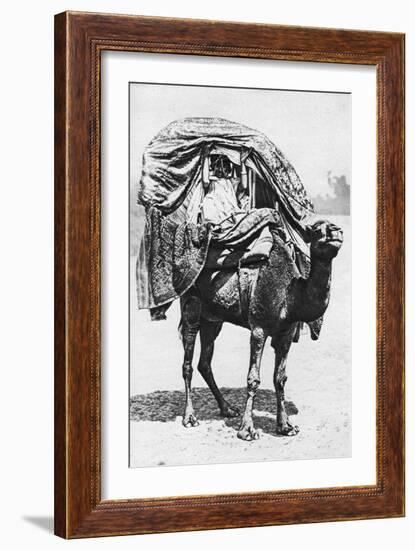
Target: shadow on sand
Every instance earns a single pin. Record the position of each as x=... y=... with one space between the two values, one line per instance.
x=166 y=406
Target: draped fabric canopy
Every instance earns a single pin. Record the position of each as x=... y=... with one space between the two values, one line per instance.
x=172 y=165
x=171 y=190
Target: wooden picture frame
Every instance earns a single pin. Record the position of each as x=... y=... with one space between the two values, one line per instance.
x=79 y=40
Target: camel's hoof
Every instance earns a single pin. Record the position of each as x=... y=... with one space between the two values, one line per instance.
x=190 y=421
x=229 y=412
x=248 y=434
x=288 y=430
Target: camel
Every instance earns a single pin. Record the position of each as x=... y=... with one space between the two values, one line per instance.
x=269 y=300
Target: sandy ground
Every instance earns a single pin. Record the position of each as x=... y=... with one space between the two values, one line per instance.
x=318 y=389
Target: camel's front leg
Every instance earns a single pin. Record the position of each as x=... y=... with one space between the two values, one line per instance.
x=282 y=346
x=247 y=430
x=191 y=308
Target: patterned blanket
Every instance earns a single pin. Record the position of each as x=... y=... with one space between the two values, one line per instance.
x=171 y=258
x=173 y=255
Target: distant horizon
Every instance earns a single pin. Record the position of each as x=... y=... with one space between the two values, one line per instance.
x=337 y=200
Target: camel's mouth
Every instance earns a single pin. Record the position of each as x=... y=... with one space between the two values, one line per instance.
x=334 y=242
x=331 y=239
x=333 y=234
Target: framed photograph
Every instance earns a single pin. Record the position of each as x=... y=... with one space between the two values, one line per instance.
x=229 y=275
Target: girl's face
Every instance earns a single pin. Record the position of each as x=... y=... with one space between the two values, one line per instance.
x=221 y=166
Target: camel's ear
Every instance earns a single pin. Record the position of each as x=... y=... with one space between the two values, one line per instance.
x=307 y=233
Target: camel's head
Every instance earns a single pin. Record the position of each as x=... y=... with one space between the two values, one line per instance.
x=325 y=239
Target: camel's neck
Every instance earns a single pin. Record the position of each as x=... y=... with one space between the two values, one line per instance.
x=314 y=292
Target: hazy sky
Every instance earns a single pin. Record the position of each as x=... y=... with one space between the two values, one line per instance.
x=313 y=129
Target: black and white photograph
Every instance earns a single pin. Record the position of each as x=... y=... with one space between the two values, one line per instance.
x=240 y=275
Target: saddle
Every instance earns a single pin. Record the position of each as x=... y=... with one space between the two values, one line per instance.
x=219 y=258
x=257 y=251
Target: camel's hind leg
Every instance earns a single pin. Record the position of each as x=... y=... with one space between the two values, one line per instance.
x=208 y=334
x=191 y=308
x=281 y=345
x=247 y=430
